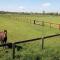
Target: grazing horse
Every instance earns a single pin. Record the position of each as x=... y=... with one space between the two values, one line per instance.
x=3 y=37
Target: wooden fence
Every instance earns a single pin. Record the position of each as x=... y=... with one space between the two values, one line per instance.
x=30 y=40
x=13 y=45
x=43 y=23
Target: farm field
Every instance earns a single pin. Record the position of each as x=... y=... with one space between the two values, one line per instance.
x=21 y=27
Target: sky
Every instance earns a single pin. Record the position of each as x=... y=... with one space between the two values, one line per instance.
x=30 y=5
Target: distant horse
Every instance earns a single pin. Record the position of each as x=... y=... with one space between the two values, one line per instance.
x=3 y=37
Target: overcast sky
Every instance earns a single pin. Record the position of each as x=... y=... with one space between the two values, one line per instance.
x=30 y=5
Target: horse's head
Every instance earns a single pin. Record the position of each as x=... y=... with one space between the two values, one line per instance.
x=5 y=31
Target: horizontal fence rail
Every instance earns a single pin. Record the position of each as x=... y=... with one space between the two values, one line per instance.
x=51 y=36
x=1 y=45
x=43 y=23
x=36 y=39
x=13 y=45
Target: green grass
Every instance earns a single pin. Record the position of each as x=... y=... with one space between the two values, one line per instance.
x=21 y=27
x=18 y=27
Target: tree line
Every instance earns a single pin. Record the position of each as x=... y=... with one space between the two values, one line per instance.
x=30 y=13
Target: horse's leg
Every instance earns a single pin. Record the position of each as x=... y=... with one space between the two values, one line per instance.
x=2 y=43
x=5 y=41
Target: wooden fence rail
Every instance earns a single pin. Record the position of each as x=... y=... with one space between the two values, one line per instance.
x=30 y=40
x=13 y=45
x=43 y=23
x=35 y=39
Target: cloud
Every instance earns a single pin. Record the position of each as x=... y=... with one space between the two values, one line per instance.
x=46 y=4
x=21 y=7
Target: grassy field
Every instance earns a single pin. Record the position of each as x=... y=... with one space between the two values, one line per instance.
x=21 y=27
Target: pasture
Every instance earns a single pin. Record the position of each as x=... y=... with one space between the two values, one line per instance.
x=21 y=27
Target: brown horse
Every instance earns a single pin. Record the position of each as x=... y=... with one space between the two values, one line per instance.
x=3 y=37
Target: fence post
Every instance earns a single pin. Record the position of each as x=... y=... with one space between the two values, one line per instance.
x=50 y=25
x=13 y=46
x=42 y=42
x=43 y=23
x=34 y=21
x=30 y=21
x=59 y=26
